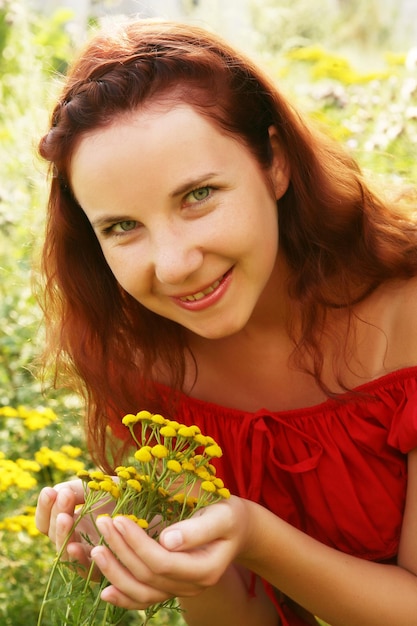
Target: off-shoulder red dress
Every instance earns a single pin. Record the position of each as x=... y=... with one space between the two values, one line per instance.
x=337 y=471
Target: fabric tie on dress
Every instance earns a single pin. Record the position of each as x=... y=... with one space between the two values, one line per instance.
x=257 y=428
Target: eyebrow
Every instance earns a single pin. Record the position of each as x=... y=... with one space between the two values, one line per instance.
x=191 y=183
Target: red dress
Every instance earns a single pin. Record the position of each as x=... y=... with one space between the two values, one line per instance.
x=336 y=471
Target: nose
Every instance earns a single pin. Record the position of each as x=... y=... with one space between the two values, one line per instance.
x=176 y=255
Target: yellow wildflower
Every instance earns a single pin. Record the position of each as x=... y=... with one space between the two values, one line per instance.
x=93 y=485
x=106 y=485
x=159 y=451
x=134 y=484
x=218 y=482
x=142 y=523
x=224 y=493
x=130 y=419
x=213 y=450
x=203 y=473
x=186 y=431
x=72 y=451
x=188 y=466
x=115 y=491
x=178 y=497
x=174 y=466
x=144 y=415
x=143 y=455
x=28 y=465
x=201 y=439
x=158 y=419
x=168 y=431
x=8 y=411
x=123 y=473
x=84 y=475
x=207 y=485
x=97 y=475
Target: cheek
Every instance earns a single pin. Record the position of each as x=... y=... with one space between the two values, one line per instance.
x=129 y=273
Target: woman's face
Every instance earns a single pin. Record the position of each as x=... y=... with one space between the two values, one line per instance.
x=186 y=217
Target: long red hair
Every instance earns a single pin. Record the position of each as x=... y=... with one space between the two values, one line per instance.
x=333 y=229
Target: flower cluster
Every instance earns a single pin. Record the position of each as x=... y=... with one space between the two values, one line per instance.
x=21 y=522
x=169 y=477
x=33 y=419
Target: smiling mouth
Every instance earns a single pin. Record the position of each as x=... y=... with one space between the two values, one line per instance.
x=202 y=294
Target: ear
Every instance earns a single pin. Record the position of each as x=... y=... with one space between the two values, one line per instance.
x=279 y=170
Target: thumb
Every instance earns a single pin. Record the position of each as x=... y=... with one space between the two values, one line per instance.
x=206 y=526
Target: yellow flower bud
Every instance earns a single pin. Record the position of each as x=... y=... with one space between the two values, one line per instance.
x=200 y=439
x=168 y=431
x=207 y=485
x=158 y=419
x=186 y=431
x=144 y=415
x=143 y=455
x=188 y=466
x=213 y=450
x=130 y=419
x=174 y=466
x=134 y=484
x=159 y=451
x=83 y=474
x=142 y=523
x=224 y=493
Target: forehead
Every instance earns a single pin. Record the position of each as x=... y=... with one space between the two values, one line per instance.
x=151 y=149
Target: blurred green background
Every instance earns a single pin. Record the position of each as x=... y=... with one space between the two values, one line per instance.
x=352 y=65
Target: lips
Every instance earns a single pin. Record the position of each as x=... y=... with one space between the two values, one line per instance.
x=201 y=294
x=205 y=298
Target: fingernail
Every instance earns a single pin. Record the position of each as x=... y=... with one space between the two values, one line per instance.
x=118 y=522
x=98 y=557
x=102 y=525
x=63 y=499
x=172 y=539
x=45 y=498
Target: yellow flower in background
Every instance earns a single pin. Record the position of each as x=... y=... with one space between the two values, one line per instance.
x=8 y=411
x=12 y=475
x=72 y=451
x=19 y=523
x=56 y=458
x=28 y=465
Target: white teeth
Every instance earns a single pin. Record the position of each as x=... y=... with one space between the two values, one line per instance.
x=201 y=294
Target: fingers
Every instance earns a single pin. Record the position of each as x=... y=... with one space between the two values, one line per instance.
x=63 y=498
x=46 y=500
x=209 y=524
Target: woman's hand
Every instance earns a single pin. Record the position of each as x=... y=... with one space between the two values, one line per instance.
x=55 y=516
x=190 y=556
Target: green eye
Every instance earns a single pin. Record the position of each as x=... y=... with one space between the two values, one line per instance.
x=125 y=226
x=198 y=195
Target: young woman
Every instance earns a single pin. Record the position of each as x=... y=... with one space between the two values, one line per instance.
x=211 y=257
